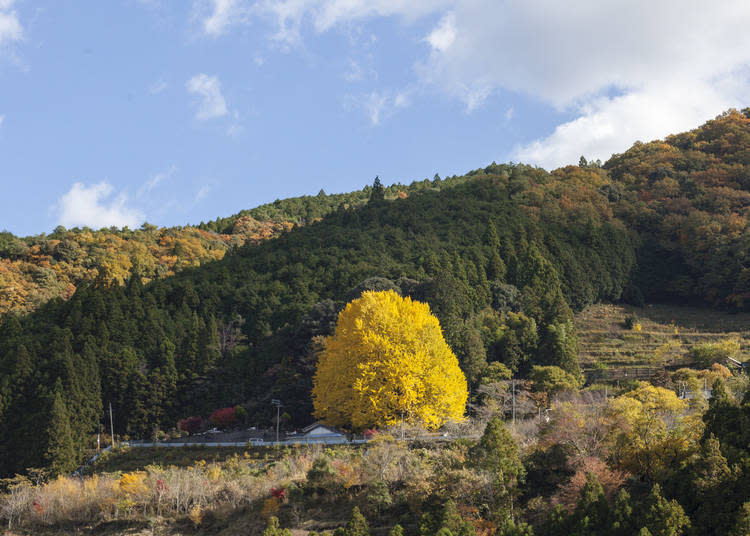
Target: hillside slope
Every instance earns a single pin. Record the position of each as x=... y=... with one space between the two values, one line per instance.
x=36 y=269
x=241 y=330
x=503 y=256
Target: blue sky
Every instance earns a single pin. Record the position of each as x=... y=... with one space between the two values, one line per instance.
x=173 y=112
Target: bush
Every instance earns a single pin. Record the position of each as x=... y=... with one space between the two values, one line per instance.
x=223 y=417
x=708 y=353
x=631 y=321
x=191 y=425
x=553 y=380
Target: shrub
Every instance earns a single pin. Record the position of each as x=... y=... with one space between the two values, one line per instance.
x=553 y=380
x=223 y=417
x=191 y=425
x=631 y=321
x=708 y=353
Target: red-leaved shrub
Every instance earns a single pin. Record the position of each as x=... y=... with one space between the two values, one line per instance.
x=223 y=417
x=191 y=425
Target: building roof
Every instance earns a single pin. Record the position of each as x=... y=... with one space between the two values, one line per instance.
x=307 y=429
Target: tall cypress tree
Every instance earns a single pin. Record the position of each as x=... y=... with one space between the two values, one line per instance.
x=60 y=455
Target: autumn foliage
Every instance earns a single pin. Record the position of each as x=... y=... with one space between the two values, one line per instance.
x=191 y=425
x=223 y=417
x=388 y=361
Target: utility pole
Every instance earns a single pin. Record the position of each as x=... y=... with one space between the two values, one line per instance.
x=513 y=398
x=276 y=402
x=111 y=425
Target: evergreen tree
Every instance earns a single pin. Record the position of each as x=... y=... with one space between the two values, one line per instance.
x=273 y=529
x=496 y=268
x=378 y=192
x=60 y=456
x=453 y=523
x=357 y=525
x=663 y=517
x=592 y=511
x=498 y=453
x=559 y=347
x=622 y=515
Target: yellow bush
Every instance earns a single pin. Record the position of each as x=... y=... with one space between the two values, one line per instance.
x=214 y=472
x=132 y=484
x=196 y=514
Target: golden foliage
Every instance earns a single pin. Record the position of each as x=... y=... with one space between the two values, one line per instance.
x=133 y=483
x=388 y=361
x=653 y=431
x=51 y=268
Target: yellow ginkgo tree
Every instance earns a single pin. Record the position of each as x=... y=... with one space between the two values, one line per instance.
x=386 y=362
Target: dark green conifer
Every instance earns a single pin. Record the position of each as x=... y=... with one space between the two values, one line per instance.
x=59 y=456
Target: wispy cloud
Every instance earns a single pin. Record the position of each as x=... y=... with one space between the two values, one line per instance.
x=202 y=192
x=94 y=206
x=607 y=67
x=210 y=102
x=157 y=87
x=155 y=181
x=379 y=105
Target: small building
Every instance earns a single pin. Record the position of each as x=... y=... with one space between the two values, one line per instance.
x=318 y=430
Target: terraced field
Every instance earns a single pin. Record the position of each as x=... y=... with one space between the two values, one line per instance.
x=609 y=350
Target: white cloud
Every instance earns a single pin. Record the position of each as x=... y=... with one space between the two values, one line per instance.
x=93 y=206
x=625 y=75
x=562 y=52
x=10 y=26
x=444 y=34
x=211 y=103
x=609 y=125
x=216 y=16
x=671 y=70
x=2 y=118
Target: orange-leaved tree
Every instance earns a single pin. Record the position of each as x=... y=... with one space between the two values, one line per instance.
x=386 y=362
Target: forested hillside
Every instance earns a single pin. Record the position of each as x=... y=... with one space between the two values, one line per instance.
x=38 y=268
x=689 y=198
x=502 y=255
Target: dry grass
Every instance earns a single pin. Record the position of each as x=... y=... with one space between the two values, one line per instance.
x=152 y=493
